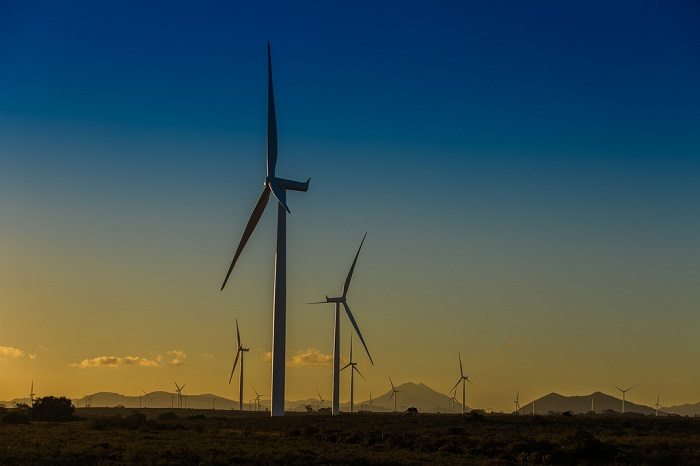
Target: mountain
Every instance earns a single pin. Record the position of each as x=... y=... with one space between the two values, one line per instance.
x=683 y=410
x=557 y=403
x=410 y=394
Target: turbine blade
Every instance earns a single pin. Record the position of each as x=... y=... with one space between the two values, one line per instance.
x=461 y=372
x=178 y=387
x=318 y=302
x=271 y=120
x=358 y=371
x=345 y=367
x=252 y=222
x=350 y=346
x=235 y=363
x=391 y=382
x=238 y=334
x=183 y=386
x=392 y=395
x=352 y=268
x=467 y=379
x=280 y=194
x=357 y=329
x=453 y=388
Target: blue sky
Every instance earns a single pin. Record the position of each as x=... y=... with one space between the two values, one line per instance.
x=522 y=166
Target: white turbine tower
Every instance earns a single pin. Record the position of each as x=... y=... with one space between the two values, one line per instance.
x=657 y=406
x=394 y=393
x=517 y=401
x=337 y=301
x=279 y=188
x=239 y=352
x=463 y=379
x=353 y=368
x=623 y=395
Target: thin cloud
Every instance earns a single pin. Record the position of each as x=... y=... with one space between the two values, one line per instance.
x=10 y=352
x=116 y=361
x=311 y=357
x=177 y=358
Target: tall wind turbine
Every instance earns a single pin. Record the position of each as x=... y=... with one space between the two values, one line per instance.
x=239 y=352
x=517 y=401
x=353 y=368
x=463 y=379
x=657 y=406
x=31 y=395
x=178 y=389
x=623 y=396
x=394 y=393
x=336 y=343
x=279 y=188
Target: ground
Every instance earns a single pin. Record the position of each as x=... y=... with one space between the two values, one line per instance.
x=152 y=436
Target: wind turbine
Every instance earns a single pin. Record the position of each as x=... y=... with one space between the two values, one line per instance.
x=623 y=396
x=394 y=393
x=370 y=400
x=279 y=188
x=239 y=352
x=149 y=398
x=320 y=398
x=657 y=406
x=517 y=402
x=336 y=343
x=353 y=368
x=463 y=379
x=453 y=399
x=179 y=393
x=257 y=399
x=31 y=395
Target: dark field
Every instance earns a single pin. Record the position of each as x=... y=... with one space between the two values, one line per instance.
x=124 y=436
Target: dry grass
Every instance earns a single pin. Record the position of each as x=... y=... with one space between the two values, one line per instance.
x=111 y=436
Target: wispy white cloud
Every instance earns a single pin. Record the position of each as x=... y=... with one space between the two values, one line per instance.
x=177 y=357
x=311 y=357
x=116 y=361
x=10 y=352
x=173 y=358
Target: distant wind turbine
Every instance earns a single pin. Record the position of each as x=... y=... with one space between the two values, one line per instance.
x=517 y=402
x=353 y=368
x=336 y=341
x=623 y=395
x=463 y=379
x=657 y=406
x=31 y=395
x=257 y=399
x=394 y=393
x=239 y=352
x=278 y=187
x=178 y=389
x=321 y=400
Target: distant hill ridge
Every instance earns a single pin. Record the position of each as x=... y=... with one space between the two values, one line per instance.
x=418 y=395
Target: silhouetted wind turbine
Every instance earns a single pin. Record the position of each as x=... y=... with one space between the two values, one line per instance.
x=178 y=389
x=463 y=379
x=657 y=406
x=623 y=396
x=394 y=393
x=31 y=395
x=320 y=398
x=517 y=402
x=336 y=341
x=353 y=366
x=279 y=188
x=257 y=399
x=239 y=352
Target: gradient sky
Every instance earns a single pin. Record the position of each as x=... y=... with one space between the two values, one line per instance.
x=528 y=174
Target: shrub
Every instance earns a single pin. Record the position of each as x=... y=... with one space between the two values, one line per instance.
x=169 y=416
x=15 y=417
x=51 y=408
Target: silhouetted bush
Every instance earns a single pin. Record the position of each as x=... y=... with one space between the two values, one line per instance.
x=169 y=416
x=16 y=417
x=51 y=408
x=583 y=445
x=412 y=410
x=455 y=430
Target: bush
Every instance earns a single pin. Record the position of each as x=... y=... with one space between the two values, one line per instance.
x=51 y=408
x=169 y=416
x=16 y=417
